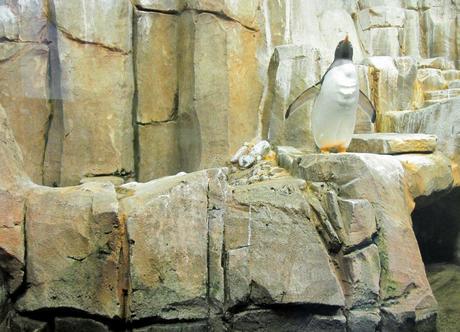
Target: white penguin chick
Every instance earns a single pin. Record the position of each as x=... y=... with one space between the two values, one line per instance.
x=338 y=96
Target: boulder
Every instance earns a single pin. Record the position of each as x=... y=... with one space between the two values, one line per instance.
x=380 y=180
x=73 y=240
x=168 y=264
x=282 y=215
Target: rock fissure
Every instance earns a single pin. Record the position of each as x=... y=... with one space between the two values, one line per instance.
x=76 y=39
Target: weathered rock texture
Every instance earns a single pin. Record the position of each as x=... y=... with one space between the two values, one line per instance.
x=116 y=91
x=170 y=85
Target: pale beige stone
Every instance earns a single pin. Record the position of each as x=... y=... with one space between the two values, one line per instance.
x=219 y=80
x=427 y=174
x=381 y=17
x=156 y=66
x=373 y=3
x=384 y=84
x=382 y=41
x=12 y=246
x=244 y=12
x=26 y=20
x=431 y=79
x=115 y=180
x=392 y=143
x=363 y=122
x=451 y=75
x=441 y=62
x=439 y=26
x=12 y=163
x=8 y=24
x=335 y=23
x=95 y=110
x=409 y=90
x=439 y=119
x=312 y=273
x=290 y=73
x=25 y=100
x=411 y=43
x=110 y=27
x=73 y=250
x=362 y=276
x=358 y=217
x=158 y=151
x=168 y=263
x=441 y=95
x=380 y=180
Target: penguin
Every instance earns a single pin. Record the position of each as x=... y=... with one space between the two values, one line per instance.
x=337 y=98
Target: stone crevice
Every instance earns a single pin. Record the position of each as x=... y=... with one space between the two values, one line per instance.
x=70 y=36
x=220 y=14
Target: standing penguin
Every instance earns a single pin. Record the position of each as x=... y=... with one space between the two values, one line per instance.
x=338 y=96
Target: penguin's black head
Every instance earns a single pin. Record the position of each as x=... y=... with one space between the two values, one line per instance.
x=344 y=50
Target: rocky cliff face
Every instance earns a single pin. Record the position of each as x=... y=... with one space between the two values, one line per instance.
x=164 y=86
x=106 y=92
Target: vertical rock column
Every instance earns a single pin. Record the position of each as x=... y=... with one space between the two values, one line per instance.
x=220 y=86
x=23 y=78
x=97 y=86
x=157 y=93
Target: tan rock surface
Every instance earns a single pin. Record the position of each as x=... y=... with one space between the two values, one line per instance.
x=156 y=66
x=219 y=80
x=380 y=179
x=95 y=110
x=392 y=143
x=26 y=101
x=158 y=150
x=111 y=28
x=73 y=238
x=169 y=261
x=427 y=174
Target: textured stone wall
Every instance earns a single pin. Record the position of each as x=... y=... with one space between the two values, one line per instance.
x=143 y=89
x=109 y=91
x=331 y=249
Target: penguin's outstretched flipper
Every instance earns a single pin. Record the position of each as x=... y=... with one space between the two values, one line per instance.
x=311 y=92
x=365 y=105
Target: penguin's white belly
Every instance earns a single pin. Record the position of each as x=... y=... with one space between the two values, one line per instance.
x=334 y=111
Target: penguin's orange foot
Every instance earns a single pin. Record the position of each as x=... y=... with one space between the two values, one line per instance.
x=341 y=149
